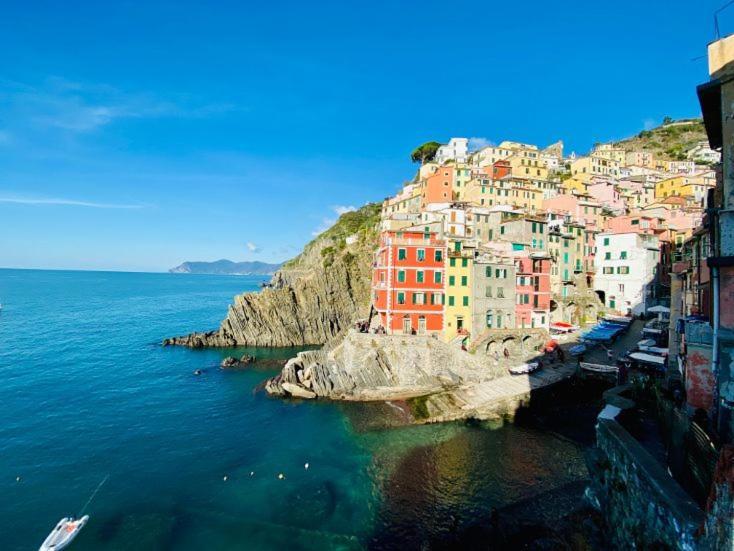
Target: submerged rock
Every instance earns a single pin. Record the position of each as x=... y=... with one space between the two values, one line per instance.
x=230 y=362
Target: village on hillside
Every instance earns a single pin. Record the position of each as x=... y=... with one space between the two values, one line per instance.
x=512 y=236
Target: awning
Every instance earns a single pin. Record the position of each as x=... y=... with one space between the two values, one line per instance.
x=647 y=358
x=659 y=310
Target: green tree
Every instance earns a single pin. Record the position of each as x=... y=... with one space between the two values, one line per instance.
x=667 y=120
x=425 y=152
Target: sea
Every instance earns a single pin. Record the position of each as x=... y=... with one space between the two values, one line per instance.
x=92 y=406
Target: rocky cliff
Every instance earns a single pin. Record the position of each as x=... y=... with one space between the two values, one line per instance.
x=312 y=298
x=364 y=366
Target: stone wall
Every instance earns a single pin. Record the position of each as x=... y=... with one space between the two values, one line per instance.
x=641 y=503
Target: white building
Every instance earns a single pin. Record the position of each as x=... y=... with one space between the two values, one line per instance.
x=626 y=270
x=702 y=153
x=457 y=149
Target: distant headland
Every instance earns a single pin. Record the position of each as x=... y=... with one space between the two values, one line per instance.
x=226 y=267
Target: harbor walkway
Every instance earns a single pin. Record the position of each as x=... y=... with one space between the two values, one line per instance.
x=501 y=397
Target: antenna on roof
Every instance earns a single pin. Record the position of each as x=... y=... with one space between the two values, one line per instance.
x=716 y=18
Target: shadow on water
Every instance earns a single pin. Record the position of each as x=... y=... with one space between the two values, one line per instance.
x=479 y=484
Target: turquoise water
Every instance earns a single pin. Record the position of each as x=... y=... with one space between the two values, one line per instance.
x=87 y=392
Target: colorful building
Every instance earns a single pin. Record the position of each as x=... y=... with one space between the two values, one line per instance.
x=408 y=281
x=532 y=290
x=458 y=288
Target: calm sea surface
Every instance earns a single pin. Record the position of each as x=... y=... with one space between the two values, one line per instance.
x=86 y=392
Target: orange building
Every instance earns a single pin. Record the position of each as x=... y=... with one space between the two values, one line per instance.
x=408 y=281
x=438 y=187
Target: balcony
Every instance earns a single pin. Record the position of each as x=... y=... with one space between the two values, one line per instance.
x=409 y=241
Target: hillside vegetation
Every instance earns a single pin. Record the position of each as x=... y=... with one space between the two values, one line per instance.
x=332 y=242
x=671 y=140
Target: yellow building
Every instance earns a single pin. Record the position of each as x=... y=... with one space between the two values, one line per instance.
x=594 y=165
x=575 y=185
x=608 y=151
x=527 y=198
x=457 y=315
x=527 y=163
x=693 y=187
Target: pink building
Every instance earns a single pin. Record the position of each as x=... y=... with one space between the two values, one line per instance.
x=532 y=291
x=604 y=191
x=578 y=208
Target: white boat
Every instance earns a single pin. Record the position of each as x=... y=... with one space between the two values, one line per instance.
x=524 y=368
x=65 y=531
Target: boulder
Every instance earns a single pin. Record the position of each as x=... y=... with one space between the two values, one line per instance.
x=229 y=361
x=297 y=391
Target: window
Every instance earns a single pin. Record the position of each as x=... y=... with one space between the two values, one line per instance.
x=499 y=321
x=502 y=230
x=607 y=256
x=606 y=241
x=464 y=281
x=465 y=301
x=451 y=300
x=401 y=298
x=457 y=246
x=565 y=258
x=421 y=255
x=623 y=255
x=608 y=270
x=401 y=276
x=438 y=255
x=535 y=227
x=402 y=254
x=623 y=269
x=464 y=262
x=488 y=291
x=452 y=281
x=419 y=298
x=437 y=277
x=489 y=319
x=452 y=262
x=488 y=271
x=621 y=287
x=500 y=292
x=419 y=276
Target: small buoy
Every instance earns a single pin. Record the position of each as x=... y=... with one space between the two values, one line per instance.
x=281 y=476
x=225 y=478
x=17 y=479
x=252 y=473
x=306 y=466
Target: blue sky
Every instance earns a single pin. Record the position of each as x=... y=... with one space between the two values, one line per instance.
x=134 y=136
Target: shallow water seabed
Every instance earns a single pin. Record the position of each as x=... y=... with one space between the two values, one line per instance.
x=87 y=391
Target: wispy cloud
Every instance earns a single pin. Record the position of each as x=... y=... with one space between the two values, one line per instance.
x=252 y=247
x=328 y=221
x=343 y=209
x=84 y=107
x=477 y=143
x=50 y=201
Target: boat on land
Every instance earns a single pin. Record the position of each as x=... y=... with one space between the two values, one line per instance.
x=525 y=368
x=63 y=534
x=561 y=327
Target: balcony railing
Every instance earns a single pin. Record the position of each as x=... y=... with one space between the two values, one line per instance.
x=395 y=241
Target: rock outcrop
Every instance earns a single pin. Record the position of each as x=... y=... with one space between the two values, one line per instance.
x=232 y=362
x=366 y=367
x=313 y=298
